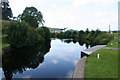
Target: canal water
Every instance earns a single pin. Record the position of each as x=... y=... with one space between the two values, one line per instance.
x=56 y=59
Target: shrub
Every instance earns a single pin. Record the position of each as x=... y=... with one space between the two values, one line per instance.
x=20 y=34
x=44 y=32
x=104 y=41
x=4 y=27
x=103 y=38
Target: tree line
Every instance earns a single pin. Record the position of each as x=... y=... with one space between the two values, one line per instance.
x=94 y=36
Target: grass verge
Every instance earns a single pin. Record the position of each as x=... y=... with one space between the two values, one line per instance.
x=114 y=43
x=105 y=67
x=3 y=42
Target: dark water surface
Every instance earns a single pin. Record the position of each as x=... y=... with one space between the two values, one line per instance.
x=54 y=60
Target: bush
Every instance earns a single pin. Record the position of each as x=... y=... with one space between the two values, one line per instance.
x=20 y=34
x=103 y=38
x=44 y=32
x=104 y=41
x=4 y=38
x=4 y=26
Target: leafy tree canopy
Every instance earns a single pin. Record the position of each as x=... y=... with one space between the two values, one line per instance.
x=32 y=16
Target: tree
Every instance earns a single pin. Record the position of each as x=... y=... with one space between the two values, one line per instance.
x=67 y=34
x=103 y=38
x=87 y=31
x=74 y=34
x=81 y=34
x=44 y=32
x=90 y=35
x=32 y=16
x=21 y=35
x=86 y=34
x=97 y=32
x=6 y=10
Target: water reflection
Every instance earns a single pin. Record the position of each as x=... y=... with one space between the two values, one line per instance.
x=22 y=59
x=59 y=62
x=81 y=43
x=68 y=40
x=74 y=41
x=87 y=43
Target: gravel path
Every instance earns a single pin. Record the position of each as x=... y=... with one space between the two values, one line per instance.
x=111 y=48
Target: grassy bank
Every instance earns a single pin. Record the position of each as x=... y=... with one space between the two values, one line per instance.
x=3 y=42
x=105 y=67
x=114 y=43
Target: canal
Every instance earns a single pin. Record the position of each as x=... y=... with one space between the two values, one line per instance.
x=56 y=59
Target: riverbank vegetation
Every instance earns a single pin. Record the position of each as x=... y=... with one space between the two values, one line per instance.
x=91 y=37
x=20 y=34
x=115 y=43
x=4 y=41
x=24 y=31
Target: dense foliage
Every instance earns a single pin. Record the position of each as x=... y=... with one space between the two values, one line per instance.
x=4 y=26
x=103 y=38
x=44 y=32
x=88 y=37
x=32 y=16
x=20 y=34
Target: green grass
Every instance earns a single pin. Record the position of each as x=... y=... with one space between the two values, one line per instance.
x=114 y=43
x=116 y=34
x=3 y=42
x=105 y=67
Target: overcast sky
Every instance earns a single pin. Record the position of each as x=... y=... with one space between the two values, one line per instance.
x=74 y=14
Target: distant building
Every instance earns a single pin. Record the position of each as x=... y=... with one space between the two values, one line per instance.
x=57 y=30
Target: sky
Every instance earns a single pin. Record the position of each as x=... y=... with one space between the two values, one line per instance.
x=74 y=14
